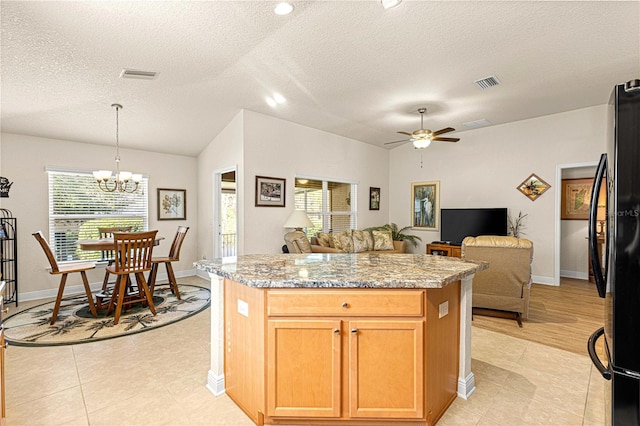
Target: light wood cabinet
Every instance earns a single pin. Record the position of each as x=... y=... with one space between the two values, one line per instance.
x=341 y=356
x=386 y=369
x=444 y=250
x=304 y=368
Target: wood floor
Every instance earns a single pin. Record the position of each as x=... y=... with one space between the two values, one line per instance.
x=560 y=316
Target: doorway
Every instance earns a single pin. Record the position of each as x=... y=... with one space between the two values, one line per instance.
x=225 y=240
x=571 y=245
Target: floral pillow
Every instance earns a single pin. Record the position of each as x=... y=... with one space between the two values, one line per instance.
x=362 y=241
x=303 y=244
x=324 y=239
x=382 y=240
x=343 y=241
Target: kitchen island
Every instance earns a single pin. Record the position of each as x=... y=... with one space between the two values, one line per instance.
x=349 y=339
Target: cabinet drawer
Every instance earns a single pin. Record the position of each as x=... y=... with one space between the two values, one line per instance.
x=345 y=303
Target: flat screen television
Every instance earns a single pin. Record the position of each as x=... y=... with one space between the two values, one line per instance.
x=456 y=224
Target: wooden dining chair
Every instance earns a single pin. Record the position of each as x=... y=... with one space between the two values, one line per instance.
x=174 y=256
x=133 y=256
x=109 y=256
x=65 y=270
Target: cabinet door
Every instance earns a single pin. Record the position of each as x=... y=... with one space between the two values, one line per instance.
x=303 y=373
x=386 y=369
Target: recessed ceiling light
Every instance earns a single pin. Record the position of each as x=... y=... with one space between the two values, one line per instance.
x=279 y=98
x=283 y=8
x=388 y=4
x=271 y=102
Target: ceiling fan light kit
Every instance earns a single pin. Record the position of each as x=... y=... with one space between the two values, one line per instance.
x=422 y=137
x=388 y=4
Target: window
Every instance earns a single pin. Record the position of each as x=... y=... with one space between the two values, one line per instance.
x=77 y=207
x=331 y=206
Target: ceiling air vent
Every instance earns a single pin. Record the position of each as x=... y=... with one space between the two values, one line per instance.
x=487 y=82
x=483 y=122
x=142 y=75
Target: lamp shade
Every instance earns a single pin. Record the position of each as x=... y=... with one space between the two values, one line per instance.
x=298 y=219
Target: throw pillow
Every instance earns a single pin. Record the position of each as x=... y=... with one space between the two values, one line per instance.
x=303 y=244
x=362 y=241
x=324 y=239
x=343 y=241
x=382 y=240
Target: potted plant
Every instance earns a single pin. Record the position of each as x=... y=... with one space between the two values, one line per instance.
x=516 y=225
x=396 y=234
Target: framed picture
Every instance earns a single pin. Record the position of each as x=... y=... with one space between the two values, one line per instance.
x=172 y=204
x=533 y=187
x=270 y=192
x=576 y=199
x=374 y=198
x=425 y=205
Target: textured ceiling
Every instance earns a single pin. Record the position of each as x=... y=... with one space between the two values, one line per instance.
x=346 y=67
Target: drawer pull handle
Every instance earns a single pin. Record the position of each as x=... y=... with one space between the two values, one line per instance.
x=345 y=305
x=354 y=331
x=336 y=331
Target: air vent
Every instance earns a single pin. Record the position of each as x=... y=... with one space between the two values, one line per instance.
x=487 y=82
x=141 y=75
x=483 y=122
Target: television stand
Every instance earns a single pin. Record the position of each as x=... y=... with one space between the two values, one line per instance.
x=444 y=249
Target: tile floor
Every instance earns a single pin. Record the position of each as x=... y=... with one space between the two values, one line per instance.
x=158 y=378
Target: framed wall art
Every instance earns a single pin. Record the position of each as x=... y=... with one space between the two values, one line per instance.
x=270 y=191
x=533 y=187
x=374 y=198
x=576 y=199
x=425 y=205
x=172 y=204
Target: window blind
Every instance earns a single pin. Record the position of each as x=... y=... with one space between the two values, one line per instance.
x=77 y=208
x=330 y=205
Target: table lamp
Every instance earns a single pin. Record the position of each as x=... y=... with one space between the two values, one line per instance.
x=298 y=219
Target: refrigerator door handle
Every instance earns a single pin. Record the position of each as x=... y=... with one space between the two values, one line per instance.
x=596 y=265
x=591 y=347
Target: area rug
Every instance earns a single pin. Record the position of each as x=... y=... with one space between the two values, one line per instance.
x=75 y=323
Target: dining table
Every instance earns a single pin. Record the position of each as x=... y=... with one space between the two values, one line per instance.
x=104 y=244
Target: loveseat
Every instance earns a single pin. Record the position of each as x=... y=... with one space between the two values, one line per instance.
x=350 y=241
x=505 y=286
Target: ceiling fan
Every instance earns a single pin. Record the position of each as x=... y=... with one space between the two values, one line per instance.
x=422 y=137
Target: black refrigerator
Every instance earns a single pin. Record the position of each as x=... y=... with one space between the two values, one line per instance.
x=617 y=269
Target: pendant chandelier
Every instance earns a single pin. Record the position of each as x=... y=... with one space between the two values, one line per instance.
x=123 y=181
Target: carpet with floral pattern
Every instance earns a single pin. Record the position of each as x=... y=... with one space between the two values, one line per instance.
x=75 y=324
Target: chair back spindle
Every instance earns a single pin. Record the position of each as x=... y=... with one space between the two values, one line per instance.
x=47 y=251
x=134 y=251
x=174 y=252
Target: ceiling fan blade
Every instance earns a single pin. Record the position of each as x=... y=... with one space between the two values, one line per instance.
x=446 y=139
x=405 y=133
x=445 y=130
x=403 y=140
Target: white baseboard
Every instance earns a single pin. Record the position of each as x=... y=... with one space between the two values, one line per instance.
x=543 y=280
x=466 y=386
x=79 y=289
x=574 y=274
x=215 y=384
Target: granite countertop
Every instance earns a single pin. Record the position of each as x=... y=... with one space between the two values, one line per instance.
x=342 y=270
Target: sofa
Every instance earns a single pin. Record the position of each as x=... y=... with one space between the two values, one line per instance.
x=350 y=241
x=503 y=289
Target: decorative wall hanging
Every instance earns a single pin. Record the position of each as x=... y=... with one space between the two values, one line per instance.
x=425 y=205
x=533 y=187
x=172 y=204
x=5 y=186
x=270 y=191
x=374 y=198
x=576 y=199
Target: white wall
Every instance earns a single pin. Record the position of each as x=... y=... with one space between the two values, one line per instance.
x=484 y=168
x=224 y=151
x=24 y=159
x=279 y=148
